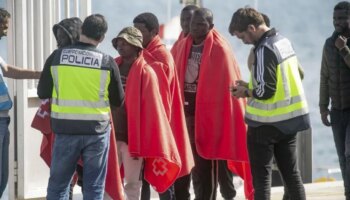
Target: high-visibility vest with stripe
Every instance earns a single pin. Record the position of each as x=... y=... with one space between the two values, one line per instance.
x=5 y=100
x=80 y=87
x=289 y=100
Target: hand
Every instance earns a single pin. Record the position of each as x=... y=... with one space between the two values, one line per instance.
x=324 y=117
x=242 y=83
x=340 y=42
x=239 y=91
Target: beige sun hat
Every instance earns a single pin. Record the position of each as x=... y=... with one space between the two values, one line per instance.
x=132 y=35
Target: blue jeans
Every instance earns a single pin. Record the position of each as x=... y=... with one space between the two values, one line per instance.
x=4 y=152
x=67 y=149
x=340 y=121
x=264 y=143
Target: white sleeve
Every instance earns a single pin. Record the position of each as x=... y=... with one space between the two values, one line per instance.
x=2 y=62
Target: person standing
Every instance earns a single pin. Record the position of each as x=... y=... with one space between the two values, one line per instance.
x=84 y=85
x=185 y=20
x=183 y=184
x=214 y=118
x=335 y=88
x=225 y=176
x=160 y=59
x=66 y=32
x=128 y=43
x=149 y=138
x=14 y=72
x=276 y=109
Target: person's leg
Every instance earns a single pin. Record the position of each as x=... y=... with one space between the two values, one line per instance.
x=339 y=136
x=286 y=195
x=4 y=153
x=66 y=152
x=227 y=189
x=94 y=156
x=145 y=190
x=286 y=159
x=285 y=189
x=132 y=172
x=169 y=194
x=204 y=177
x=346 y=121
x=71 y=188
x=182 y=188
x=260 y=149
x=79 y=172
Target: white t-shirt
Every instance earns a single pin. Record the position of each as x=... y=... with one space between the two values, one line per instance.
x=2 y=63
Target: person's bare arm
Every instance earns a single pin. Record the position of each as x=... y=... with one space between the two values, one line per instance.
x=19 y=73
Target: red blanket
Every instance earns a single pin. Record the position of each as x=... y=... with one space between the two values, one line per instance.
x=174 y=47
x=41 y=122
x=220 y=130
x=149 y=131
x=162 y=63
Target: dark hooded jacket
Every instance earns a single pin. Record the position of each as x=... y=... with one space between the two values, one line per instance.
x=335 y=77
x=71 y=26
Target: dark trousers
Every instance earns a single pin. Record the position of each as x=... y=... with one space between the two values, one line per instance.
x=182 y=188
x=204 y=177
x=227 y=189
x=146 y=192
x=264 y=143
x=340 y=121
x=205 y=172
x=225 y=178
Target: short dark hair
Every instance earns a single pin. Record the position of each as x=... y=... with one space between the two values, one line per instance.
x=94 y=26
x=206 y=13
x=266 y=19
x=189 y=8
x=4 y=14
x=343 y=5
x=244 y=17
x=149 y=20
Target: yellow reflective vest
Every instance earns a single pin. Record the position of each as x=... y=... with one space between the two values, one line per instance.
x=289 y=100
x=80 y=87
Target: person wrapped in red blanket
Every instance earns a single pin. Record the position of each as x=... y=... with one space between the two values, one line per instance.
x=207 y=68
x=185 y=19
x=225 y=175
x=149 y=135
x=160 y=59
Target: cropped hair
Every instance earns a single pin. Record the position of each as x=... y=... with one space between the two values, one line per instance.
x=343 y=5
x=94 y=26
x=266 y=19
x=149 y=20
x=4 y=14
x=189 y=8
x=206 y=13
x=244 y=17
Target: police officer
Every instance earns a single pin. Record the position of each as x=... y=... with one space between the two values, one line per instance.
x=84 y=85
x=276 y=108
